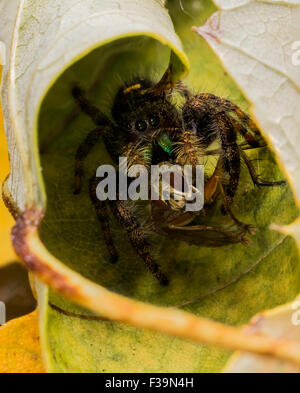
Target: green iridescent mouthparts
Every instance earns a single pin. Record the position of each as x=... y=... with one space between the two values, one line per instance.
x=165 y=143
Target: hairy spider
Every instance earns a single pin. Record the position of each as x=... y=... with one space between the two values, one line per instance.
x=148 y=129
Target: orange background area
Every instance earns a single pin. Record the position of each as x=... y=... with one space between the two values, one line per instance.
x=20 y=346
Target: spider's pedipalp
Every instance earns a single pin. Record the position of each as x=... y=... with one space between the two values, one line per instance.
x=188 y=149
x=137 y=154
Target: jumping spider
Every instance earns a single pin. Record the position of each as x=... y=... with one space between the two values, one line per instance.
x=149 y=129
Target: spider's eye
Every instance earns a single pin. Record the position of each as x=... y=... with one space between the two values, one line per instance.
x=141 y=125
x=154 y=120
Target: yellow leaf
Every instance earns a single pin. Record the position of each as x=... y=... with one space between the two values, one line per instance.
x=6 y=221
x=20 y=350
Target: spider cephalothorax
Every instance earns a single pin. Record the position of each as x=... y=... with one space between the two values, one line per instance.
x=146 y=121
x=143 y=111
x=148 y=129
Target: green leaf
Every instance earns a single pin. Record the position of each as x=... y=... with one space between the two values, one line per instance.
x=228 y=284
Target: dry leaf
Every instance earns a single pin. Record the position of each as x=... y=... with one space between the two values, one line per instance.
x=20 y=350
x=283 y=323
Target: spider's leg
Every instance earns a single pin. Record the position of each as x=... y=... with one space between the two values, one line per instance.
x=137 y=238
x=102 y=214
x=246 y=120
x=255 y=140
x=246 y=227
x=227 y=106
x=182 y=88
x=202 y=113
x=248 y=136
x=230 y=156
x=254 y=175
x=244 y=146
x=83 y=150
x=88 y=108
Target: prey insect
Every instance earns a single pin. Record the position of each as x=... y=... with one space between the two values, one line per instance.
x=147 y=128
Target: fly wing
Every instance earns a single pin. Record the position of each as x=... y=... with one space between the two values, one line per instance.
x=207 y=235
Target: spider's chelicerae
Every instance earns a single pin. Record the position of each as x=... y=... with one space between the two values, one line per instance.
x=149 y=129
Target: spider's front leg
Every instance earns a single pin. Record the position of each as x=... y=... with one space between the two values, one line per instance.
x=93 y=137
x=88 y=108
x=137 y=238
x=82 y=152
